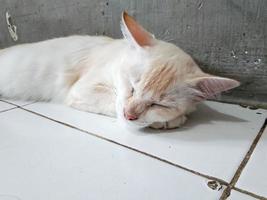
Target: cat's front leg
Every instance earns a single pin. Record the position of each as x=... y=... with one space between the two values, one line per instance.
x=175 y=123
x=95 y=97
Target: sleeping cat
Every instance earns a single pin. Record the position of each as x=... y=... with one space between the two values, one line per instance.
x=139 y=79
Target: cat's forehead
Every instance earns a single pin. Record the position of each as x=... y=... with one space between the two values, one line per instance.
x=158 y=79
x=167 y=67
x=163 y=77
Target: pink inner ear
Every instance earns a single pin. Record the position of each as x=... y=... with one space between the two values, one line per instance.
x=140 y=35
x=210 y=86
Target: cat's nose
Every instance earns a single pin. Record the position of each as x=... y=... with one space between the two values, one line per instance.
x=130 y=116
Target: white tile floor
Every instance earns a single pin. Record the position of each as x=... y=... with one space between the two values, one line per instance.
x=252 y=180
x=53 y=152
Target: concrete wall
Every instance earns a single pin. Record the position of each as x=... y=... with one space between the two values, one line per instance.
x=226 y=37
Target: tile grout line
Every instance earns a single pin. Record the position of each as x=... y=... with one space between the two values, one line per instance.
x=16 y=106
x=8 y=102
x=226 y=193
x=26 y=104
x=249 y=193
x=2 y=111
x=222 y=182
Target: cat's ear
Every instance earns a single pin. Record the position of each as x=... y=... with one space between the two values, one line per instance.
x=209 y=86
x=134 y=32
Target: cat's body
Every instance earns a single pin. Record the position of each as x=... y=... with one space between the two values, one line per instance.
x=47 y=70
x=139 y=78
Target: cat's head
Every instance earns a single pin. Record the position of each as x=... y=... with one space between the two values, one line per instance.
x=162 y=81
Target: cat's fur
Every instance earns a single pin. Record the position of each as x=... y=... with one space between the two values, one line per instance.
x=140 y=79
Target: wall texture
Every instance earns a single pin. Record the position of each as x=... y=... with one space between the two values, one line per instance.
x=226 y=37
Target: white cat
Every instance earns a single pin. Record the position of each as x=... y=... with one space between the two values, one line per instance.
x=140 y=79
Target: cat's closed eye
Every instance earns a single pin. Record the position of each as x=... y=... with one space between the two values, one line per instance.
x=132 y=91
x=158 y=105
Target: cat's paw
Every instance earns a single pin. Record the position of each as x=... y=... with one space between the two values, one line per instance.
x=179 y=121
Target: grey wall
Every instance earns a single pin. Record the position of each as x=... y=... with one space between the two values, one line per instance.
x=226 y=37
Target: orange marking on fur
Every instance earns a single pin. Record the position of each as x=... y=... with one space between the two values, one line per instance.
x=102 y=88
x=159 y=79
x=71 y=78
